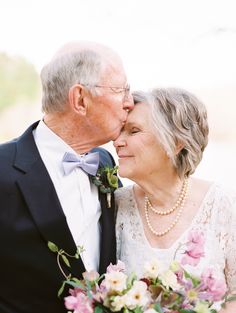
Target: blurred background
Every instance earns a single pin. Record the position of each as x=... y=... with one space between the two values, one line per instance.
x=178 y=43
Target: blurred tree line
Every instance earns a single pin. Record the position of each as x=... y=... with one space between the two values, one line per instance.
x=19 y=80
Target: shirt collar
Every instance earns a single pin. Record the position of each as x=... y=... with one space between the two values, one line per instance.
x=50 y=142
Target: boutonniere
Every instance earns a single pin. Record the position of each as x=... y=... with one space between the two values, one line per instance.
x=107 y=181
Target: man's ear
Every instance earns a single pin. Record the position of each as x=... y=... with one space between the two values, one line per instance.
x=76 y=99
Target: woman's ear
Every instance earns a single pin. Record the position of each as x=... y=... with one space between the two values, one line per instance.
x=76 y=99
x=179 y=147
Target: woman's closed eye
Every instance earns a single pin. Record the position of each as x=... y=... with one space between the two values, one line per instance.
x=134 y=130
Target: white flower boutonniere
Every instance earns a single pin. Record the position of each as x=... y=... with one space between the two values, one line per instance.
x=107 y=181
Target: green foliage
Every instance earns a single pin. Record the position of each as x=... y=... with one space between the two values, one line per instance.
x=52 y=246
x=18 y=80
x=106 y=179
x=158 y=308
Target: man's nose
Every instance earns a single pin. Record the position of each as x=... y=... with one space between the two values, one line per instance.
x=129 y=102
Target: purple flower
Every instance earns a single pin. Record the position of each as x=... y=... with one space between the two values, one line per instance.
x=119 y=267
x=195 y=248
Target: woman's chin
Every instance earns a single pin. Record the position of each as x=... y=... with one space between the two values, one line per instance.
x=124 y=172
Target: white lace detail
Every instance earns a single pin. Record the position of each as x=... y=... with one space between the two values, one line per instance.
x=216 y=218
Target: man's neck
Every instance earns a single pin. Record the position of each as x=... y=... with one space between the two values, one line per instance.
x=74 y=133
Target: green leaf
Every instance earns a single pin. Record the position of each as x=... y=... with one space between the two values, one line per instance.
x=127 y=310
x=130 y=280
x=195 y=280
x=96 y=182
x=60 y=291
x=138 y=310
x=112 y=180
x=66 y=261
x=98 y=309
x=75 y=285
x=186 y=311
x=104 y=189
x=158 y=308
x=52 y=246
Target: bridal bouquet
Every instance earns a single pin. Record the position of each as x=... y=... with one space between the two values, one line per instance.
x=171 y=290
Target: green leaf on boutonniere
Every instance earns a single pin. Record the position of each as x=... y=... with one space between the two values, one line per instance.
x=60 y=291
x=66 y=261
x=52 y=246
x=112 y=177
x=106 y=179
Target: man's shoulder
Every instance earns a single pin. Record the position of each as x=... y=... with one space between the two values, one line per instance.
x=106 y=158
x=8 y=149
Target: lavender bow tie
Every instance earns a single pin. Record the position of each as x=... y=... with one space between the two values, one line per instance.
x=88 y=162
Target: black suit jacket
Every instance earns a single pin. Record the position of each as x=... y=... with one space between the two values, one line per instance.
x=30 y=216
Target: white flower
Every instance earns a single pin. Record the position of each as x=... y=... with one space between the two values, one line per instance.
x=118 y=303
x=169 y=280
x=153 y=269
x=175 y=266
x=202 y=308
x=137 y=296
x=150 y=311
x=115 y=281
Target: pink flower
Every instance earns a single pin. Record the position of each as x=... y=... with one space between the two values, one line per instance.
x=119 y=267
x=91 y=276
x=79 y=304
x=195 y=249
x=215 y=289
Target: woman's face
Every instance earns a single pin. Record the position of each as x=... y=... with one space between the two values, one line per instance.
x=140 y=154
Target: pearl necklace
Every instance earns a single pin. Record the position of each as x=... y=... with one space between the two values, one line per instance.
x=175 y=221
x=176 y=205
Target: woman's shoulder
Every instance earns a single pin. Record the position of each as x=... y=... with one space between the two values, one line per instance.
x=221 y=198
x=214 y=190
x=124 y=193
x=223 y=195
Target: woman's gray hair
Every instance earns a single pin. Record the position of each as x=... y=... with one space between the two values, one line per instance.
x=63 y=72
x=178 y=118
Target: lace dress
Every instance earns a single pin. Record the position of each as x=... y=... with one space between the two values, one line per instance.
x=216 y=218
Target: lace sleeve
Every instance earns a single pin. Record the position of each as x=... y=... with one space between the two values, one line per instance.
x=124 y=216
x=119 y=223
x=230 y=244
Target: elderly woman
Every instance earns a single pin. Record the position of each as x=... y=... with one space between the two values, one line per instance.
x=159 y=149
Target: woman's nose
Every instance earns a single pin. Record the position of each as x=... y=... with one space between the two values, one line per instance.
x=119 y=142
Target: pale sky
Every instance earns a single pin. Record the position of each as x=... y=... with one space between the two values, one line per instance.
x=162 y=42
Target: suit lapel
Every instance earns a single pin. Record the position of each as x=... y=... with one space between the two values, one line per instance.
x=41 y=198
x=108 y=243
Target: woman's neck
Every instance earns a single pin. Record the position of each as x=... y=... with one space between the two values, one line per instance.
x=161 y=190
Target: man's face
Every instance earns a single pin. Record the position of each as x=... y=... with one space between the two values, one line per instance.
x=110 y=106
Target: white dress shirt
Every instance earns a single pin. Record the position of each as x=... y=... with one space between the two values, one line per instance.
x=78 y=197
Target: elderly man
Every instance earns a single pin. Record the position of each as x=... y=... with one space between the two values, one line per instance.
x=45 y=189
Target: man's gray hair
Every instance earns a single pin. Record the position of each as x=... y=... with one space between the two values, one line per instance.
x=178 y=117
x=76 y=63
